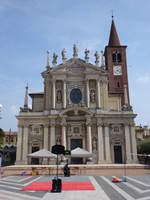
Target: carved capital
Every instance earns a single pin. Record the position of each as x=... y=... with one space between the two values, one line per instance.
x=132 y=124
x=63 y=122
x=19 y=126
x=46 y=125
x=127 y=123
x=88 y=121
x=99 y=122
x=52 y=122
x=106 y=124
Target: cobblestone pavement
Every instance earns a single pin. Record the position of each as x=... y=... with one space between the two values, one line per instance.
x=137 y=187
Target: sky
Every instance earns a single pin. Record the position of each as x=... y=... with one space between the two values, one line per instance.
x=29 y=28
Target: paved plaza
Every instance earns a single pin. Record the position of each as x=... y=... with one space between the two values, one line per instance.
x=137 y=187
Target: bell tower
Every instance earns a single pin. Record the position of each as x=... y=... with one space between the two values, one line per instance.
x=116 y=65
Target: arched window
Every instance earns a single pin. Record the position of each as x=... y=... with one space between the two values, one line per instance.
x=114 y=57
x=118 y=57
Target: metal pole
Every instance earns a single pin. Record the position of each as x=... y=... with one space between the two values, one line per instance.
x=57 y=166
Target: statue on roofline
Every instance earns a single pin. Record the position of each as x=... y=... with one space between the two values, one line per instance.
x=75 y=51
x=55 y=56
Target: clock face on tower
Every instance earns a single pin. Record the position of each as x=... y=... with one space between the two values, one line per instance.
x=76 y=95
x=117 y=70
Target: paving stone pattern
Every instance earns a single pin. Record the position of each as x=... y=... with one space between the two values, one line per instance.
x=136 y=187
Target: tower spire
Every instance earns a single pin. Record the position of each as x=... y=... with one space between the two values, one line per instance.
x=26 y=98
x=113 y=37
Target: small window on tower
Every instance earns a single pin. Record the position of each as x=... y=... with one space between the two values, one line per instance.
x=118 y=57
x=118 y=84
x=114 y=57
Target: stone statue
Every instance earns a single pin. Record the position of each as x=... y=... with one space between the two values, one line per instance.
x=94 y=144
x=55 y=56
x=63 y=53
x=92 y=96
x=75 y=51
x=58 y=140
x=86 y=55
x=96 y=58
x=59 y=96
x=102 y=60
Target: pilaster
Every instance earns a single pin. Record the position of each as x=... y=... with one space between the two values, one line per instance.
x=25 y=144
x=63 y=123
x=87 y=93
x=107 y=144
x=54 y=93
x=64 y=94
x=46 y=127
x=19 y=145
x=100 y=144
x=127 y=142
x=133 y=138
x=52 y=134
x=89 y=135
x=98 y=95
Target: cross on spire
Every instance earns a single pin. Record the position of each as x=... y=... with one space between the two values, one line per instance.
x=113 y=37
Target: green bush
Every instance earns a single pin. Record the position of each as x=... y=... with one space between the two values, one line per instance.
x=143 y=147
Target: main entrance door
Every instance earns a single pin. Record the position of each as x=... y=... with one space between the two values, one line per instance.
x=35 y=161
x=74 y=144
x=118 y=154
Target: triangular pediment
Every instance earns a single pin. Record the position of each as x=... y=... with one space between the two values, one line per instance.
x=76 y=65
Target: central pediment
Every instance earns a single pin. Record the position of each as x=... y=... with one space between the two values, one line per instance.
x=75 y=65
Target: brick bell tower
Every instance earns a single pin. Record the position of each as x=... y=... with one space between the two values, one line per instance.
x=116 y=65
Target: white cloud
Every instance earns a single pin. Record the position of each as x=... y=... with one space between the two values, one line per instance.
x=144 y=79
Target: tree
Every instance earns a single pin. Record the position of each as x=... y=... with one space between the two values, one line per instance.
x=143 y=147
x=2 y=134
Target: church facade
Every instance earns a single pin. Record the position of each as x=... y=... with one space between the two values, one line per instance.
x=82 y=105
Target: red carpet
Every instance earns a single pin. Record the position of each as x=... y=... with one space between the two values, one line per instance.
x=46 y=186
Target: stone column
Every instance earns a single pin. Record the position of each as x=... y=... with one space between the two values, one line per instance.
x=134 y=149
x=25 y=144
x=46 y=137
x=46 y=90
x=127 y=142
x=64 y=94
x=19 y=145
x=54 y=94
x=100 y=144
x=105 y=94
x=98 y=95
x=87 y=93
x=126 y=102
x=64 y=136
x=52 y=135
x=89 y=135
x=107 y=144
x=63 y=123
